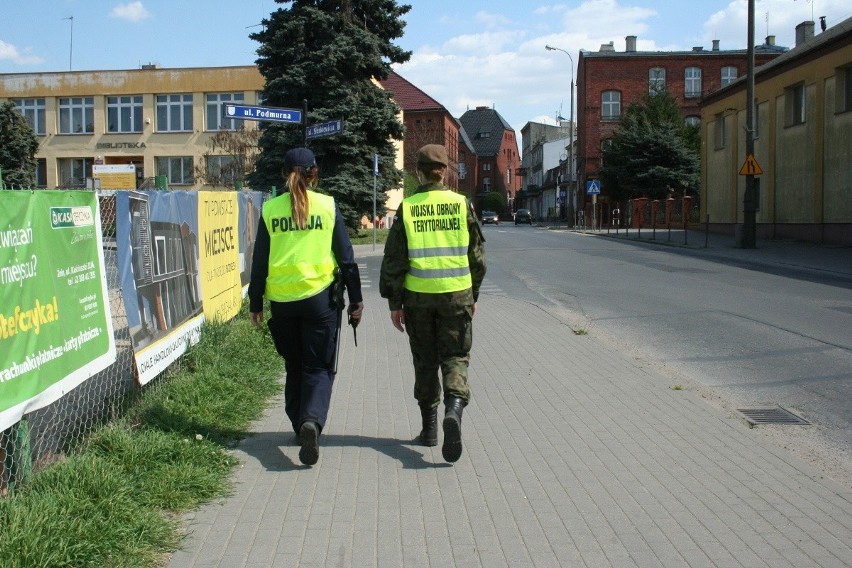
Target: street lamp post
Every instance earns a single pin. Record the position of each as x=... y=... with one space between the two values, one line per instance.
x=570 y=134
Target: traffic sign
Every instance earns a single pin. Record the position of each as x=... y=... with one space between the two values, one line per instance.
x=324 y=129
x=271 y=114
x=593 y=187
x=751 y=167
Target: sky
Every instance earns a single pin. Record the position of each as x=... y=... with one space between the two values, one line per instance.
x=465 y=53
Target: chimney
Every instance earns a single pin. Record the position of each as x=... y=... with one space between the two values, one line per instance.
x=715 y=45
x=631 y=44
x=804 y=32
x=770 y=40
x=698 y=49
x=607 y=46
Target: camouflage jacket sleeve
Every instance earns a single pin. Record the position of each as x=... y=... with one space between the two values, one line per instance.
x=475 y=251
x=394 y=264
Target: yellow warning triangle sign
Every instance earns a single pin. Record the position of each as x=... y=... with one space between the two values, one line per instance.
x=751 y=167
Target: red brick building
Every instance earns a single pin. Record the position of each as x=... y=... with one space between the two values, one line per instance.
x=426 y=122
x=608 y=81
x=497 y=156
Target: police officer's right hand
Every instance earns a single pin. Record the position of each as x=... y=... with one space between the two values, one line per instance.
x=256 y=318
x=398 y=319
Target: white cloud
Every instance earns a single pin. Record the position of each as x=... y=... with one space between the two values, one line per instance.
x=132 y=12
x=10 y=52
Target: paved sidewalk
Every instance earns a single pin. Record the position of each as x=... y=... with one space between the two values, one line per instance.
x=575 y=455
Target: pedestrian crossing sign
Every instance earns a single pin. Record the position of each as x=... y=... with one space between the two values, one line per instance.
x=593 y=187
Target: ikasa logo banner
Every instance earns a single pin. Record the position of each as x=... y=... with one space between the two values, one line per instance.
x=55 y=323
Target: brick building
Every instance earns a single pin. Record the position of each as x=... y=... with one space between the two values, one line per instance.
x=608 y=81
x=496 y=148
x=426 y=122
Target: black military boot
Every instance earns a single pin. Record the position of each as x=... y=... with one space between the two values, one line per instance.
x=452 y=448
x=429 y=434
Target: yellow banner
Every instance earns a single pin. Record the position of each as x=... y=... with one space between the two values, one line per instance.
x=218 y=219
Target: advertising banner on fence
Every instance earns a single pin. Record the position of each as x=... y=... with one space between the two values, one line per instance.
x=182 y=259
x=55 y=322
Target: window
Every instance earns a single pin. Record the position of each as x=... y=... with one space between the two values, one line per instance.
x=124 y=114
x=693 y=120
x=729 y=75
x=220 y=170
x=692 y=82
x=74 y=171
x=721 y=131
x=794 y=105
x=33 y=111
x=486 y=184
x=174 y=113
x=41 y=172
x=462 y=170
x=844 y=90
x=215 y=118
x=77 y=115
x=486 y=167
x=177 y=169
x=484 y=135
x=656 y=80
x=611 y=105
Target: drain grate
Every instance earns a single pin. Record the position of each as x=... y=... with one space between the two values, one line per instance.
x=771 y=415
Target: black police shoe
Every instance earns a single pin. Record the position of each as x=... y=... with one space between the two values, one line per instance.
x=309 y=434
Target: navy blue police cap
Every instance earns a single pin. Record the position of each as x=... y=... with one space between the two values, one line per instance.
x=301 y=157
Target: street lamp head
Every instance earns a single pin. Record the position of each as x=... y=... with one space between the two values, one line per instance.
x=549 y=48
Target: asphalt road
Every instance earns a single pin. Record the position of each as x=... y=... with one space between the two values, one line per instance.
x=749 y=337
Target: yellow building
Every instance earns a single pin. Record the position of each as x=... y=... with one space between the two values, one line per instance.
x=802 y=142
x=159 y=121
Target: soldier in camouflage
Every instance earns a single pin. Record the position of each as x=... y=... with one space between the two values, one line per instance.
x=433 y=266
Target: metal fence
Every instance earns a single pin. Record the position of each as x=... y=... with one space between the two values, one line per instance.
x=46 y=435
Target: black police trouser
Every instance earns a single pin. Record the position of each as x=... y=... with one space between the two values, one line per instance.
x=307 y=332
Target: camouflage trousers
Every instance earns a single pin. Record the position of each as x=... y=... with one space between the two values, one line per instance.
x=440 y=339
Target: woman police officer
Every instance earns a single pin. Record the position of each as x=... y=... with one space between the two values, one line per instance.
x=301 y=242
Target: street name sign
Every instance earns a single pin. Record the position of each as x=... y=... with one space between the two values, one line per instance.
x=270 y=114
x=324 y=129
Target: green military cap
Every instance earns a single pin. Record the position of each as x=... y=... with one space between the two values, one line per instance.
x=432 y=154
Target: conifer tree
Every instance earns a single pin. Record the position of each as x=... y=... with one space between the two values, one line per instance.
x=327 y=54
x=18 y=147
x=654 y=152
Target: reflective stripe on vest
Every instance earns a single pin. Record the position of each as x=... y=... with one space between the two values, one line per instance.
x=436 y=229
x=301 y=263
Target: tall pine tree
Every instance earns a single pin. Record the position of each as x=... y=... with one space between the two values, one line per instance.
x=327 y=53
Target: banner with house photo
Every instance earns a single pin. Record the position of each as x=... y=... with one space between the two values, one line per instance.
x=55 y=322
x=182 y=259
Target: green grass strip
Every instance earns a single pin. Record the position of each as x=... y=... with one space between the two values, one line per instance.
x=114 y=501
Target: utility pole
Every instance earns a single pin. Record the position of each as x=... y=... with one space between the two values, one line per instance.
x=569 y=210
x=751 y=196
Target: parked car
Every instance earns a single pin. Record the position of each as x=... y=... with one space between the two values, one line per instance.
x=523 y=216
x=490 y=217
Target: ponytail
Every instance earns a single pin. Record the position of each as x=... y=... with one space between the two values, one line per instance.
x=299 y=182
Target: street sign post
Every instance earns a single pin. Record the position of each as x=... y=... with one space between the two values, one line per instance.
x=593 y=188
x=324 y=129
x=269 y=114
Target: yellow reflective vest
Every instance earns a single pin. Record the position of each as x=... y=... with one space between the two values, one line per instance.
x=436 y=230
x=301 y=263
